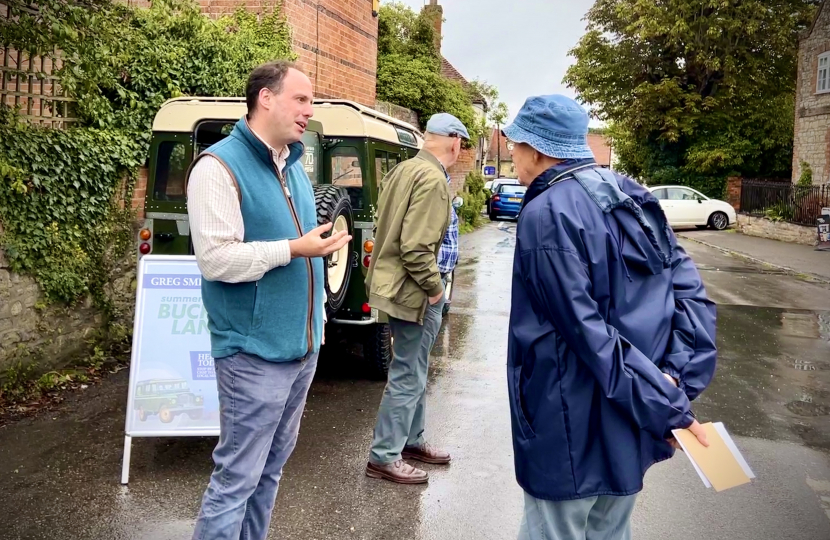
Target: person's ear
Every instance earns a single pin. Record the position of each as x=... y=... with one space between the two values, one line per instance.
x=265 y=97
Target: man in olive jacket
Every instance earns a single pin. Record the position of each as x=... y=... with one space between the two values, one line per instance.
x=414 y=206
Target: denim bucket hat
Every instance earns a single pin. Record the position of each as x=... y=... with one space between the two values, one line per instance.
x=556 y=126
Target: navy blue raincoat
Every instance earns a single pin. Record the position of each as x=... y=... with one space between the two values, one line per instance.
x=604 y=302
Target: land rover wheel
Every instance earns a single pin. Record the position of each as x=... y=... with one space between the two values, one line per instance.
x=165 y=415
x=334 y=206
x=377 y=349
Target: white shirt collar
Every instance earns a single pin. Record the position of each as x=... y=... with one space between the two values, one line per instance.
x=280 y=158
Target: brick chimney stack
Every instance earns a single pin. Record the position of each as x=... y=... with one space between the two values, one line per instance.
x=436 y=13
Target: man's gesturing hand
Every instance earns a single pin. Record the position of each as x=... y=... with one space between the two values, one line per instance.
x=312 y=244
x=435 y=299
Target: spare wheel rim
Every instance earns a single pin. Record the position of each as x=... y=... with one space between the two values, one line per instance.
x=339 y=260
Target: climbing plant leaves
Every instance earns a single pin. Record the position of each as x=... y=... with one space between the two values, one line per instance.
x=64 y=194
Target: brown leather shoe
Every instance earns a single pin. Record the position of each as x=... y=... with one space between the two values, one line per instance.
x=426 y=454
x=399 y=472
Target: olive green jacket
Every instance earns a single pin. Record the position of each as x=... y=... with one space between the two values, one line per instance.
x=412 y=218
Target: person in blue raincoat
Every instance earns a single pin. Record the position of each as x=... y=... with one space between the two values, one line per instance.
x=611 y=332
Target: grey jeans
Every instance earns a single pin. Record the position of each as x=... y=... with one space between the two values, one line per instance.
x=593 y=518
x=402 y=413
x=261 y=404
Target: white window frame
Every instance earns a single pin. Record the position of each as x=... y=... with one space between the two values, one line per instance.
x=823 y=74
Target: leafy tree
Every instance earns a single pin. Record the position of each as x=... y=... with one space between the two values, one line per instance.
x=694 y=90
x=497 y=111
x=409 y=69
x=474 y=198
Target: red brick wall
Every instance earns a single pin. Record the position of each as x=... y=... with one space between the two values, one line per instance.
x=139 y=192
x=733 y=191
x=458 y=172
x=337 y=44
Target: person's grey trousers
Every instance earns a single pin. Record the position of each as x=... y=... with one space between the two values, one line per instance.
x=593 y=518
x=402 y=413
x=260 y=406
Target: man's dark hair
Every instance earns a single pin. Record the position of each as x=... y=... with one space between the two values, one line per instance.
x=270 y=75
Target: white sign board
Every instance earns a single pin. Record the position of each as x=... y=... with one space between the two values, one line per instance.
x=172 y=389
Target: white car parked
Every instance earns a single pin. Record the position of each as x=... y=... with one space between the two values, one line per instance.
x=686 y=207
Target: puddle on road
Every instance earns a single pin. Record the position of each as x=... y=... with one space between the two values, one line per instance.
x=773 y=377
x=742 y=269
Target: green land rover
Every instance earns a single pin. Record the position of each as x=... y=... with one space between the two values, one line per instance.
x=166 y=398
x=348 y=150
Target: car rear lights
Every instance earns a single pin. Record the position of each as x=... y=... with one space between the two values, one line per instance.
x=368 y=246
x=145 y=238
x=366 y=308
x=367 y=260
x=496 y=198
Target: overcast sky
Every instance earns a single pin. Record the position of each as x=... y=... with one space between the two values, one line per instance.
x=520 y=46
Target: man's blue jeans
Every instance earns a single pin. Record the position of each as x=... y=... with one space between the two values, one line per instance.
x=261 y=404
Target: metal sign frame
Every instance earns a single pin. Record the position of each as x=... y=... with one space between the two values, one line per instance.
x=201 y=342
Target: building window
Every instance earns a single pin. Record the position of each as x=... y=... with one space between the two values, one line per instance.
x=823 y=79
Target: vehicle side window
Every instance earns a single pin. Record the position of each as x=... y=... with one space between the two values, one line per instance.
x=680 y=194
x=345 y=172
x=171 y=167
x=211 y=132
x=660 y=194
x=381 y=164
x=384 y=162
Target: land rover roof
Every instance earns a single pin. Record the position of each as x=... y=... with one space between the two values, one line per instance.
x=339 y=118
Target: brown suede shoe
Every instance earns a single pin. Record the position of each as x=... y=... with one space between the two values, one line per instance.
x=426 y=454
x=399 y=472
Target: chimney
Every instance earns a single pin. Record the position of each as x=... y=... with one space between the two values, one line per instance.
x=435 y=12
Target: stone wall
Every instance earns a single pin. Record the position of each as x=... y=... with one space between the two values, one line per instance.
x=29 y=330
x=396 y=111
x=53 y=336
x=812 y=111
x=776 y=230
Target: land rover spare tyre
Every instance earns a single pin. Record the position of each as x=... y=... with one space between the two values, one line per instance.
x=334 y=206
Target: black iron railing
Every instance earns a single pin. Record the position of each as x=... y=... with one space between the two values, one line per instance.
x=783 y=201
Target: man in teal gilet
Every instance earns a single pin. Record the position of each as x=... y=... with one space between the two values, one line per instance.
x=254 y=229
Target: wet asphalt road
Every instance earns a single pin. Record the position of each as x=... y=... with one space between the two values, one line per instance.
x=59 y=472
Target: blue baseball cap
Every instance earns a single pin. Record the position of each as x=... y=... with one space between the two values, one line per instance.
x=555 y=125
x=447 y=125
